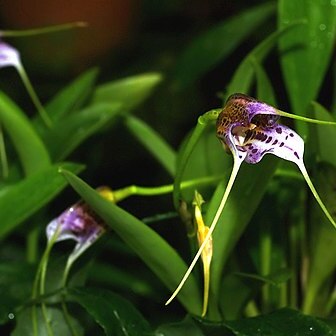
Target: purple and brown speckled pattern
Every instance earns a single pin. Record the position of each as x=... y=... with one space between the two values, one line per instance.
x=240 y=109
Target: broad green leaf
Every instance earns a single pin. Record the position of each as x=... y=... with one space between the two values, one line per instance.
x=68 y=133
x=306 y=51
x=283 y=322
x=154 y=143
x=185 y=327
x=32 y=153
x=130 y=91
x=21 y=200
x=247 y=192
x=213 y=46
x=323 y=245
x=117 y=316
x=151 y=248
x=58 y=324
x=243 y=76
x=72 y=97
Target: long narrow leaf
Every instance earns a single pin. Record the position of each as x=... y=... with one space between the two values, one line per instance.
x=130 y=91
x=152 y=249
x=71 y=131
x=214 y=45
x=31 y=150
x=155 y=144
x=21 y=200
x=307 y=51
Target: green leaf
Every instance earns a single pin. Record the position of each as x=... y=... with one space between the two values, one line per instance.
x=130 y=91
x=72 y=97
x=68 y=133
x=58 y=323
x=243 y=76
x=117 y=316
x=151 y=248
x=306 y=52
x=283 y=322
x=19 y=201
x=155 y=144
x=217 y=43
x=32 y=153
x=265 y=91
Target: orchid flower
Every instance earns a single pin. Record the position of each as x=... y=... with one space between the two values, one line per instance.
x=249 y=129
x=79 y=223
x=9 y=56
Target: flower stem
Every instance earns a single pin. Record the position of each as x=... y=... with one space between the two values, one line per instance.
x=310 y=120
x=132 y=190
x=25 y=79
x=3 y=155
x=236 y=165
x=42 y=30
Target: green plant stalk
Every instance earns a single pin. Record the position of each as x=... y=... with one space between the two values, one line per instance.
x=3 y=155
x=202 y=123
x=265 y=253
x=40 y=278
x=25 y=79
x=132 y=190
x=293 y=261
x=42 y=30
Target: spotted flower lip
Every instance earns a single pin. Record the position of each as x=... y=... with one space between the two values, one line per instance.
x=79 y=223
x=249 y=129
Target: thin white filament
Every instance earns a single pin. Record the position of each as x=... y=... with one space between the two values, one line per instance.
x=236 y=165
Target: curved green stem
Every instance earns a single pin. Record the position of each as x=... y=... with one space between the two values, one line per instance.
x=25 y=79
x=42 y=30
x=40 y=278
x=202 y=123
x=309 y=120
x=132 y=190
x=236 y=165
x=3 y=155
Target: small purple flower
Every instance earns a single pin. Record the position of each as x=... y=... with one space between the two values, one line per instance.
x=250 y=129
x=9 y=56
x=79 y=223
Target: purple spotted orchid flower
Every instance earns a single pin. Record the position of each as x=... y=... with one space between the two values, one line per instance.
x=79 y=223
x=249 y=129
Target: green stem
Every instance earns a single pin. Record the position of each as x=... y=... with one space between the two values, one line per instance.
x=236 y=165
x=265 y=248
x=3 y=155
x=25 y=79
x=40 y=278
x=309 y=120
x=132 y=190
x=42 y=30
x=202 y=123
